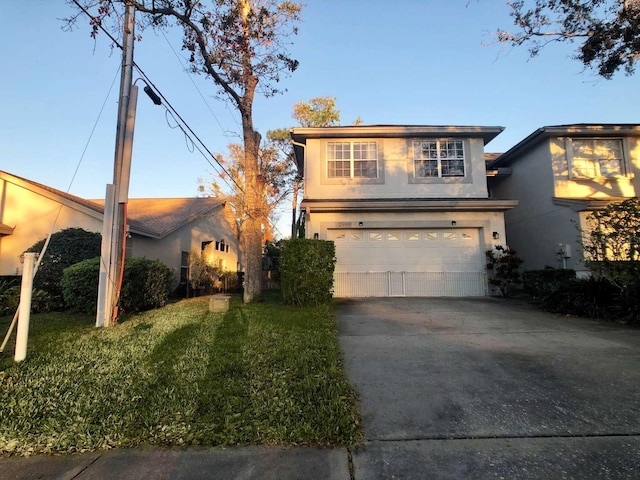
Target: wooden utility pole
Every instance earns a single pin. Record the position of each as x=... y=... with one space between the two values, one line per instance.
x=114 y=227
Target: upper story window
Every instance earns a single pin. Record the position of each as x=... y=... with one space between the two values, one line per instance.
x=438 y=158
x=596 y=157
x=352 y=160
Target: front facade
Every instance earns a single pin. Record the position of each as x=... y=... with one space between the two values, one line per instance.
x=559 y=174
x=167 y=229
x=407 y=207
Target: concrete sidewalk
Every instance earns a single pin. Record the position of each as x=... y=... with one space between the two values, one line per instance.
x=247 y=463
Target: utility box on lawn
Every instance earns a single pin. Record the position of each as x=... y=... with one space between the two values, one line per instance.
x=219 y=303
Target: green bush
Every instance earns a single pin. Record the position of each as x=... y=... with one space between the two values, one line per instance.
x=80 y=285
x=306 y=271
x=41 y=301
x=540 y=283
x=595 y=298
x=66 y=248
x=146 y=284
x=504 y=264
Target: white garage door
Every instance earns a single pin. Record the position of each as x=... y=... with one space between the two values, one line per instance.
x=424 y=263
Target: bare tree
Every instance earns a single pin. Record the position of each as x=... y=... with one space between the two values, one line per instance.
x=607 y=31
x=240 y=45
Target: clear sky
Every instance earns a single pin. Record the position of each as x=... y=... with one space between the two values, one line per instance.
x=413 y=62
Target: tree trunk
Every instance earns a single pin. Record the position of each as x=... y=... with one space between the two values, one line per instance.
x=253 y=224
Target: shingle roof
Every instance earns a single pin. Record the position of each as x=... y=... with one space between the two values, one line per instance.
x=155 y=217
x=160 y=216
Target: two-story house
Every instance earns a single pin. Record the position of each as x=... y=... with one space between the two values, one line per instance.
x=407 y=207
x=559 y=174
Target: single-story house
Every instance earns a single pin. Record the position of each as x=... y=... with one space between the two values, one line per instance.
x=165 y=229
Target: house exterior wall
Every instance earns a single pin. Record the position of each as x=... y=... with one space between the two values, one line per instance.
x=597 y=188
x=32 y=215
x=537 y=226
x=169 y=249
x=395 y=174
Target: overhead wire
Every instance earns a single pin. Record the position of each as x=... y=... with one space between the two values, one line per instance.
x=55 y=220
x=167 y=104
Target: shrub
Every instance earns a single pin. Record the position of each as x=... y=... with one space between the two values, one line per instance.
x=41 y=301
x=306 y=271
x=146 y=284
x=505 y=266
x=66 y=248
x=540 y=283
x=596 y=298
x=80 y=285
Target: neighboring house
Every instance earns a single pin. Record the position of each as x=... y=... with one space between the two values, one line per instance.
x=407 y=207
x=559 y=174
x=165 y=229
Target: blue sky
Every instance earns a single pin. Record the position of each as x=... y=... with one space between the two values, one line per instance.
x=419 y=62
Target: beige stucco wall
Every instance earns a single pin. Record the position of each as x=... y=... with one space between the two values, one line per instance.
x=395 y=160
x=33 y=215
x=168 y=249
x=567 y=187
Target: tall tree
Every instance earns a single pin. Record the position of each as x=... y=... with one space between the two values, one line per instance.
x=276 y=175
x=239 y=45
x=317 y=112
x=608 y=31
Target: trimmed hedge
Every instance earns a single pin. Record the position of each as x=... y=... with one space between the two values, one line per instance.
x=540 y=283
x=146 y=285
x=306 y=271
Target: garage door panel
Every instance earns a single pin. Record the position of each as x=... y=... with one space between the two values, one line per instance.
x=446 y=262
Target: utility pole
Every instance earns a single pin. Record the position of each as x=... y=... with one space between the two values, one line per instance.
x=115 y=212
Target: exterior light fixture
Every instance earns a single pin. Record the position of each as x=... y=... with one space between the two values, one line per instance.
x=453 y=223
x=496 y=235
x=316 y=236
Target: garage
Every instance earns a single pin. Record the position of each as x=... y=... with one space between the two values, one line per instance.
x=408 y=262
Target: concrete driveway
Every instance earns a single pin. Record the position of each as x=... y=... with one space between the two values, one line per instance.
x=490 y=388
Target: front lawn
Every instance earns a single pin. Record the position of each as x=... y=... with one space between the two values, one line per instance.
x=260 y=374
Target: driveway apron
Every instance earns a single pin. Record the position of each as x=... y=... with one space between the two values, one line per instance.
x=490 y=388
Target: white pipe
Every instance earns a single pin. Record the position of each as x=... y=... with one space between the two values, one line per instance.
x=25 y=307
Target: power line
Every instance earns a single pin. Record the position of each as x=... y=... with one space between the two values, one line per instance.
x=166 y=103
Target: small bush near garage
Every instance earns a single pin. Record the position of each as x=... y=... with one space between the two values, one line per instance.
x=146 y=284
x=540 y=283
x=306 y=271
x=504 y=265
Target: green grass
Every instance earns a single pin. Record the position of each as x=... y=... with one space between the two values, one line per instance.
x=262 y=373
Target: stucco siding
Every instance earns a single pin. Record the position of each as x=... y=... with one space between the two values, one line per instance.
x=168 y=249
x=536 y=226
x=33 y=216
x=568 y=187
x=394 y=174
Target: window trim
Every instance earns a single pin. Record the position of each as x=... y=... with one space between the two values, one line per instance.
x=624 y=167
x=378 y=179
x=467 y=147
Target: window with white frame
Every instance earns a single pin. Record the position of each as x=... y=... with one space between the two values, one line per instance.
x=596 y=157
x=352 y=159
x=438 y=158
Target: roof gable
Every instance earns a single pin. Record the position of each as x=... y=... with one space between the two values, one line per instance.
x=152 y=217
